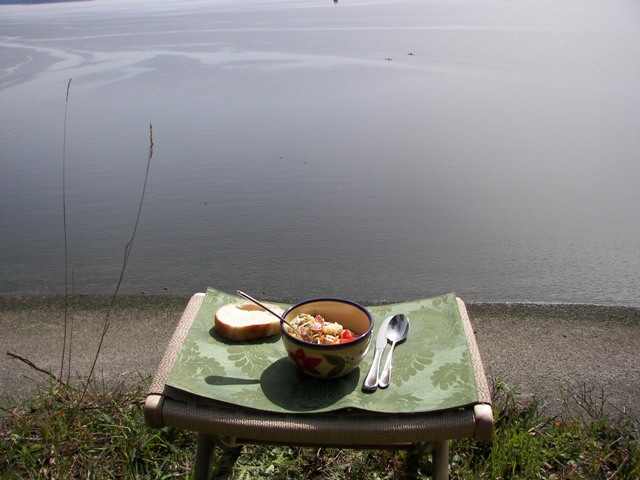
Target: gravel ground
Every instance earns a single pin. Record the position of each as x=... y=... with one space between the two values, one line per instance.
x=551 y=353
x=555 y=353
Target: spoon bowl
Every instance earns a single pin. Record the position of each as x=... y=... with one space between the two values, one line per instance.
x=396 y=333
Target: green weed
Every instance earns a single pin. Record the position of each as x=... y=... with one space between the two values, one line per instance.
x=53 y=435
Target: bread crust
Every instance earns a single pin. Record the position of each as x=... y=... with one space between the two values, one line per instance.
x=246 y=321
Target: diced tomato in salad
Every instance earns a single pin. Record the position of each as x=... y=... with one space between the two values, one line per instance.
x=346 y=336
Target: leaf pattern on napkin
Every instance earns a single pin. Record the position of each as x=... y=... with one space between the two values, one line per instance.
x=251 y=361
x=248 y=397
x=409 y=364
x=405 y=402
x=453 y=375
x=192 y=363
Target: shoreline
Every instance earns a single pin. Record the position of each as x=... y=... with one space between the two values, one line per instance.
x=549 y=352
x=7 y=299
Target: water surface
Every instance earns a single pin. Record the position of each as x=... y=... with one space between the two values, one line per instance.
x=378 y=150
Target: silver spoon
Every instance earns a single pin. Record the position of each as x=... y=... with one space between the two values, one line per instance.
x=396 y=333
x=249 y=297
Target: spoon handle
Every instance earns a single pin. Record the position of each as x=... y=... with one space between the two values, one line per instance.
x=260 y=304
x=385 y=378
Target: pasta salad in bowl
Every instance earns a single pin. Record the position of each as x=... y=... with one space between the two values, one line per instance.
x=330 y=336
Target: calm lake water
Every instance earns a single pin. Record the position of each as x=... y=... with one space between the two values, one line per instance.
x=371 y=149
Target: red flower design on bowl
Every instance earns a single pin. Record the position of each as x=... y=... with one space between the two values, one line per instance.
x=305 y=363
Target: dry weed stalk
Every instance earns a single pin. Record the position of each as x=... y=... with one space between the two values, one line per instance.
x=67 y=331
x=127 y=251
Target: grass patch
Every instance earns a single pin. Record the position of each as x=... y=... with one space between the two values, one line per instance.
x=53 y=435
x=587 y=441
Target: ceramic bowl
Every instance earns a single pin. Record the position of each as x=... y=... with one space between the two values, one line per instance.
x=329 y=361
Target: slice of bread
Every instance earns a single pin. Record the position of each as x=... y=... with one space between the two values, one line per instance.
x=246 y=321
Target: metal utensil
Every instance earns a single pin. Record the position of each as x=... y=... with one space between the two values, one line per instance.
x=397 y=332
x=371 y=382
x=260 y=304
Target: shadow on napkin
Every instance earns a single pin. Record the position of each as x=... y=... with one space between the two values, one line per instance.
x=222 y=381
x=292 y=390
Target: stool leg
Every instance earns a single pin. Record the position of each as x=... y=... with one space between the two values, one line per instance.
x=203 y=457
x=441 y=460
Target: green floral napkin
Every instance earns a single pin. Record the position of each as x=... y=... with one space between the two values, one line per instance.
x=432 y=369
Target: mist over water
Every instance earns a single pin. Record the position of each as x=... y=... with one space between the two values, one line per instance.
x=374 y=150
